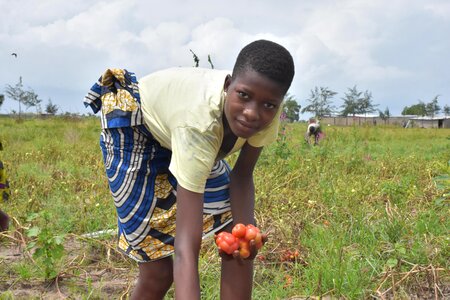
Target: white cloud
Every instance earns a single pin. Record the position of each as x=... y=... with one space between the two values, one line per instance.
x=439 y=8
x=382 y=46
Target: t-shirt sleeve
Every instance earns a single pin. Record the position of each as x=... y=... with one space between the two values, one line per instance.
x=193 y=156
x=268 y=134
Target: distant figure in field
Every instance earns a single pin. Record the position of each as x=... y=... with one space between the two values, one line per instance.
x=4 y=195
x=313 y=130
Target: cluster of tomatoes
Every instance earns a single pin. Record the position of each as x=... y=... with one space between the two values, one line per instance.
x=239 y=239
x=289 y=256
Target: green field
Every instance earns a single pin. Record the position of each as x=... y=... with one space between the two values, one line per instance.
x=362 y=215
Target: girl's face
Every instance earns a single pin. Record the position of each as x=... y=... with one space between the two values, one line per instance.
x=252 y=101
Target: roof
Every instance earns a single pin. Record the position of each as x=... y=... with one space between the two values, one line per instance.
x=428 y=118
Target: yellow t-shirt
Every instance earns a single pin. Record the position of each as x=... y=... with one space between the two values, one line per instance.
x=183 y=109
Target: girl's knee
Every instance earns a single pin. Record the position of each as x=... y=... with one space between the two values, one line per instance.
x=155 y=279
x=160 y=271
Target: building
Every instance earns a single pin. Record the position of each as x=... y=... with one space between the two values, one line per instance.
x=429 y=122
x=407 y=121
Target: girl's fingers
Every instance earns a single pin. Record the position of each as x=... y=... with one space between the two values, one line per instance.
x=253 y=249
x=237 y=256
x=265 y=237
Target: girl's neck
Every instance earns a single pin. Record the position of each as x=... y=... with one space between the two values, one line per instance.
x=229 y=138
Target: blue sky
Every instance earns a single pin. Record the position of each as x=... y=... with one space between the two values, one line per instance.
x=397 y=49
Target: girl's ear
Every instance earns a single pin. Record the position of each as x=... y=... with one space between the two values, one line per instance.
x=227 y=83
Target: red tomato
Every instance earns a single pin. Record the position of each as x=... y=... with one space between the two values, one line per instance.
x=253 y=226
x=219 y=238
x=225 y=247
x=258 y=237
x=258 y=241
x=239 y=230
x=251 y=232
x=227 y=242
x=244 y=248
x=229 y=238
x=220 y=234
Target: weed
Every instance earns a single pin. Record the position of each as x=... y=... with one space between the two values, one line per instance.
x=47 y=247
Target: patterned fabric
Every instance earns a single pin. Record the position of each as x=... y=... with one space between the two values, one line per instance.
x=144 y=193
x=116 y=94
x=4 y=184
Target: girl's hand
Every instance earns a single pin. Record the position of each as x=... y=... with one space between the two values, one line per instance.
x=245 y=241
x=253 y=249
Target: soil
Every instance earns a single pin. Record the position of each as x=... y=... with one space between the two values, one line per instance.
x=87 y=275
x=94 y=270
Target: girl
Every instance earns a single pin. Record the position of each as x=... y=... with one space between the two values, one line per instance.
x=164 y=141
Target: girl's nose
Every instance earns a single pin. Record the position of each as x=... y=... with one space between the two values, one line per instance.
x=251 y=112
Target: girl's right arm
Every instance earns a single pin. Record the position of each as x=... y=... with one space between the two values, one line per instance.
x=189 y=229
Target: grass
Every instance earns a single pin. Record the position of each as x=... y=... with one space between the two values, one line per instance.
x=348 y=219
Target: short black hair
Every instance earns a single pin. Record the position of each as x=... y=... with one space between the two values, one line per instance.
x=267 y=58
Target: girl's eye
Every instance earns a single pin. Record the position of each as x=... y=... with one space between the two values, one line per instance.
x=269 y=105
x=242 y=95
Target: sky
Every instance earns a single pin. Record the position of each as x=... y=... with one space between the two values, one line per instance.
x=399 y=50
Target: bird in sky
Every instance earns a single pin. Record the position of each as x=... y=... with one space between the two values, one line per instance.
x=14 y=54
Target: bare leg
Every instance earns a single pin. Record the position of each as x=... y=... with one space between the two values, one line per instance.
x=4 y=221
x=155 y=279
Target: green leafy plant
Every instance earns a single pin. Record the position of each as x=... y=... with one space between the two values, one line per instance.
x=282 y=148
x=443 y=184
x=47 y=247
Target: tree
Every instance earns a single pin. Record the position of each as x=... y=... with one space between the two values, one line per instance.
x=26 y=97
x=51 y=108
x=32 y=100
x=2 y=99
x=365 y=105
x=352 y=101
x=416 y=109
x=291 y=108
x=385 y=115
x=446 y=110
x=320 y=102
x=432 y=108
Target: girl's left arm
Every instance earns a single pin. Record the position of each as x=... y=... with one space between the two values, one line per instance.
x=242 y=189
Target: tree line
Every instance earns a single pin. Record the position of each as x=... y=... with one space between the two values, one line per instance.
x=27 y=98
x=320 y=104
